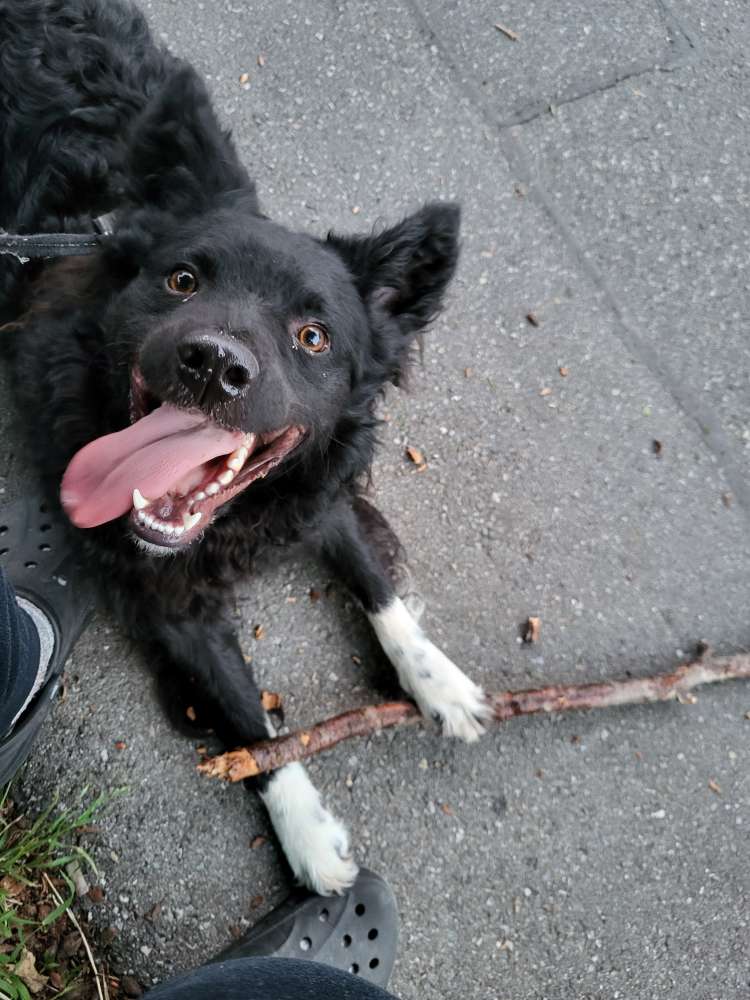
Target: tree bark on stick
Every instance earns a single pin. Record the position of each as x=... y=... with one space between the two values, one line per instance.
x=272 y=754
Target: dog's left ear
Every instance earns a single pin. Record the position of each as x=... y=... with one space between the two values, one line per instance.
x=405 y=270
x=179 y=157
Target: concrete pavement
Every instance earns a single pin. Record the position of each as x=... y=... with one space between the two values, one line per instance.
x=601 y=161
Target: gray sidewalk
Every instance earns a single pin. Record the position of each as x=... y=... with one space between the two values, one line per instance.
x=602 y=164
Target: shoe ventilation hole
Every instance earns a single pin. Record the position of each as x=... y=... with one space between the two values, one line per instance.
x=374 y=963
x=373 y=934
x=305 y=944
x=30 y=564
x=323 y=916
x=3 y=552
x=347 y=941
x=3 y=528
x=354 y=969
x=45 y=527
x=45 y=548
x=359 y=909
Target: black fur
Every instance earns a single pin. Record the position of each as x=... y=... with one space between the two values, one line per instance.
x=95 y=117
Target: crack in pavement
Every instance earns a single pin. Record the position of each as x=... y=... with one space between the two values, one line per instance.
x=686 y=398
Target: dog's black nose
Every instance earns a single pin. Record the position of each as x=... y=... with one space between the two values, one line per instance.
x=214 y=368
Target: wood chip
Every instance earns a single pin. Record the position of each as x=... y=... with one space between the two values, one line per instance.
x=96 y=894
x=532 y=630
x=190 y=713
x=255 y=902
x=447 y=809
x=532 y=318
x=259 y=632
x=356 y=659
x=546 y=391
x=271 y=701
x=257 y=842
x=415 y=455
x=261 y=60
x=657 y=447
x=508 y=32
x=726 y=499
x=247 y=657
x=564 y=372
x=314 y=595
x=468 y=372
x=714 y=786
x=244 y=78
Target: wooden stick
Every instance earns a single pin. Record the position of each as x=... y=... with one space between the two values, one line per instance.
x=271 y=754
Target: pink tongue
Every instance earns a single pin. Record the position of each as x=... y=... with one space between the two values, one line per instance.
x=152 y=455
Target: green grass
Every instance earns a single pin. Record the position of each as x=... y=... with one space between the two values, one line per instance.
x=27 y=851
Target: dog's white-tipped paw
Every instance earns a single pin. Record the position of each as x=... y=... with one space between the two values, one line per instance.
x=315 y=843
x=446 y=695
x=442 y=691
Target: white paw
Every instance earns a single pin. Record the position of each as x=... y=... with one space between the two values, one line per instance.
x=442 y=691
x=446 y=695
x=315 y=843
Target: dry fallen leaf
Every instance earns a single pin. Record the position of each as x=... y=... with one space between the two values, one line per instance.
x=415 y=455
x=259 y=632
x=25 y=969
x=257 y=842
x=190 y=713
x=255 y=902
x=314 y=594
x=12 y=887
x=532 y=318
x=271 y=701
x=532 y=630
x=564 y=371
x=447 y=809
x=468 y=372
x=304 y=739
x=120 y=745
x=96 y=894
x=545 y=392
x=508 y=32
x=714 y=786
x=244 y=78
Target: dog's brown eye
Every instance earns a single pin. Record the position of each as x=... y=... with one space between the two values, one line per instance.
x=182 y=282
x=313 y=338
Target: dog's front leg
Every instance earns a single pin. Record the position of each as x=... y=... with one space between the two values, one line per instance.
x=442 y=691
x=315 y=843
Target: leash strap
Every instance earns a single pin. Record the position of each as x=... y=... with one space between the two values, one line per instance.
x=37 y=246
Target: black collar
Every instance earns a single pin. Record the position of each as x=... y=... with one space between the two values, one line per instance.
x=45 y=245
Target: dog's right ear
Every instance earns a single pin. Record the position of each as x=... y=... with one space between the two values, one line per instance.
x=178 y=156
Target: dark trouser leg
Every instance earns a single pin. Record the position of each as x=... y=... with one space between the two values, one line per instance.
x=19 y=655
x=268 y=979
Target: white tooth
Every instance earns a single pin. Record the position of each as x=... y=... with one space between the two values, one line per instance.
x=149 y=520
x=237 y=459
x=168 y=529
x=141 y=516
x=226 y=477
x=199 y=496
x=235 y=464
x=212 y=489
x=178 y=530
x=190 y=520
x=139 y=501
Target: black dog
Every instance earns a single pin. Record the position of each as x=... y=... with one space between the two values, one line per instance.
x=204 y=384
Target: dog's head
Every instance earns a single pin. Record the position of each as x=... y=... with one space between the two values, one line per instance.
x=249 y=348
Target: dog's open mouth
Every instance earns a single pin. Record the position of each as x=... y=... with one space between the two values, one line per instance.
x=169 y=471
